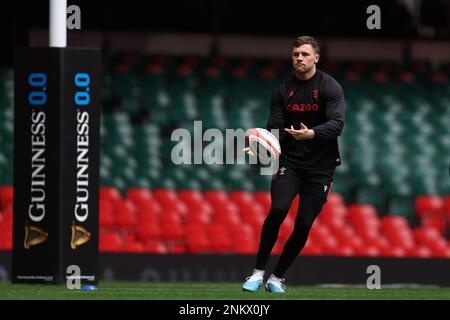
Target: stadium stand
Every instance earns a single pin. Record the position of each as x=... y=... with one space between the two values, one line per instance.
x=389 y=197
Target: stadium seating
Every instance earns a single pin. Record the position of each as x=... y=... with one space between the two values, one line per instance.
x=390 y=197
x=340 y=230
x=356 y=230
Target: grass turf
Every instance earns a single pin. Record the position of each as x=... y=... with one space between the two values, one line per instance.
x=212 y=291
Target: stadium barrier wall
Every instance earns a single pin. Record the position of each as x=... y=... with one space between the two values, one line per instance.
x=307 y=270
x=435 y=51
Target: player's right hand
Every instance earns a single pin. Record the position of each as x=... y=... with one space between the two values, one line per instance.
x=248 y=151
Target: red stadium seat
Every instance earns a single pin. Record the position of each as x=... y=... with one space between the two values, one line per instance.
x=344 y=250
x=125 y=214
x=172 y=226
x=345 y=235
x=333 y=214
x=406 y=77
x=419 y=252
x=362 y=211
x=8 y=216
x=436 y=221
x=286 y=228
x=429 y=205
x=177 y=248
x=311 y=249
x=401 y=238
x=440 y=251
x=156 y=247
x=394 y=222
x=148 y=217
x=431 y=238
x=148 y=209
x=249 y=210
x=393 y=251
x=369 y=236
x=256 y=220
x=368 y=231
x=328 y=244
x=365 y=219
x=242 y=229
x=165 y=196
x=318 y=231
x=322 y=236
x=427 y=235
x=219 y=238
x=6 y=226
x=149 y=230
x=133 y=247
x=294 y=207
x=216 y=197
x=192 y=198
x=136 y=193
x=359 y=66
x=333 y=222
x=204 y=208
x=6 y=197
x=380 y=242
x=246 y=247
x=242 y=198
x=368 y=251
x=179 y=207
x=225 y=208
x=2 y=241
x=139 y=195
x=264 y=199
x=447 y=206
x=244 y=239
x=231 y=218
x=110 y=242
x=202 y=217
x=335 y=199
x=197 y=241
x=5 y=233
x=397 y=231
x=110 y=194
x=9 y=239
x=356 y=243
x=278 y=248
x=106 y=217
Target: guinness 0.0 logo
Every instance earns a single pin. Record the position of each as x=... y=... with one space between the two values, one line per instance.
x=82 y=99
x=79 y=236
x=33 y=236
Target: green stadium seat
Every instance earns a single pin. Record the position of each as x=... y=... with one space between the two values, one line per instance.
x=402 y=206
x=371 y=195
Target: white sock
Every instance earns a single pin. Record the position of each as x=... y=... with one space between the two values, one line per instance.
x=259 y=272
x=272 y=277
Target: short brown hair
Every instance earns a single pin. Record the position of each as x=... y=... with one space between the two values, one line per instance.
x=307 y=40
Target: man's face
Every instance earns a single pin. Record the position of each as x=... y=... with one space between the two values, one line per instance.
x=304 y=58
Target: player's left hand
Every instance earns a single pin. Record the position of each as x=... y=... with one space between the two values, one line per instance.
x=303 y=134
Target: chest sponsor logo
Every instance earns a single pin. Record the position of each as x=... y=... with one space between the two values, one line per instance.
x=302 y=107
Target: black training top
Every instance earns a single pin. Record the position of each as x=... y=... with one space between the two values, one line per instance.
x=317 y=102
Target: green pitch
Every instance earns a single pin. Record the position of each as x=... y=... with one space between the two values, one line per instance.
x=214 y=291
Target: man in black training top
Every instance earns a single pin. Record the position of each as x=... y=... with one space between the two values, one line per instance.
x=308 y=109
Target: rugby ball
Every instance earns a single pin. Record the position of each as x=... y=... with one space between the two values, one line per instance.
x=263 y=143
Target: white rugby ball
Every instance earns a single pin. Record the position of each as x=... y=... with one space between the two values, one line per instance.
x=263 y=143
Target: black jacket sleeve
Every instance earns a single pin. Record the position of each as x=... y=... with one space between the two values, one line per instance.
x=335 y=113
x=276 y=116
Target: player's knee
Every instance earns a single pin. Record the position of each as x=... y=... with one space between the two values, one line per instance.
x=279 y=208
x=304 y=225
